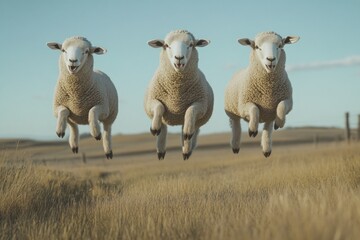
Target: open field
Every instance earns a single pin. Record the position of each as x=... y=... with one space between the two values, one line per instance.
x=303 y=191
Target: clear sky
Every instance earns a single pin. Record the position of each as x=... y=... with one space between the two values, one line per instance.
x=324 y=66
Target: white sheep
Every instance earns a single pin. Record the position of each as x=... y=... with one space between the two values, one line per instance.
x=178 y=93
x=262 y=92
x=83 y=96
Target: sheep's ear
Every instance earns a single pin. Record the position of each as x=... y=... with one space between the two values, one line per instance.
x=290 y=39
x=156 y=43
x=98 y=50
x=247 y=42
x=201 y=42
x=54 y=45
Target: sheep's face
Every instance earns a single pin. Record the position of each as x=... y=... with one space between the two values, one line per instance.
x=74 y=57
x=75 y=53
x=179 y=48
x=179 y=53
x=268 y=48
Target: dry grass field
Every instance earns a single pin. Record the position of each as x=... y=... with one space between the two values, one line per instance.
x=303 y=191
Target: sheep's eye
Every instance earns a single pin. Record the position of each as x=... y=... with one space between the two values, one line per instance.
x=166 y=46
x=257 y=47
x=63 y=50
x=191 y=45
x=87 y=51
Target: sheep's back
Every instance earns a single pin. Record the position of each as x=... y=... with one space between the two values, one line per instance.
x=109 y=95
x=232 y=90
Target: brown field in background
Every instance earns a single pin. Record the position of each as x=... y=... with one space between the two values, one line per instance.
x=306 y=190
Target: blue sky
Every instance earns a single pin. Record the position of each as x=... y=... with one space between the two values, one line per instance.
x=324 y=66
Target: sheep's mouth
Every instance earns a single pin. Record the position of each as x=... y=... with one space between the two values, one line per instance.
x=270 y=67
x=73 y=68
x=179 y=65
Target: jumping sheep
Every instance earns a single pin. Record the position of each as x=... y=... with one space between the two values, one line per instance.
x=178 y=93
x=82 y=95
x=262 y=92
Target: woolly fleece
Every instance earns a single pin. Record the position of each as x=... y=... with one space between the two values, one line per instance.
x=255 y=85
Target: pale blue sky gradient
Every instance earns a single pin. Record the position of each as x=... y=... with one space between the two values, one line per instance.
x=323 y=87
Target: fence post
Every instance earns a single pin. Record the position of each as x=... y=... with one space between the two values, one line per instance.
x=347 y=127
x=83 y=157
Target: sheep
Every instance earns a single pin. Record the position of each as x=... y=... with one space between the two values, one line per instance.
x=178 y=93
x=262 y=92
x=83 y=95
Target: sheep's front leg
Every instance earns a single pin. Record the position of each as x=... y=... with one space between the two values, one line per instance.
x=251 y=112
x=192 y=114
x=283 y=108
x=62 y=117
x=97 y=113
x=266 y=141
x=161 y=142
x=188 y=145
x=157 y=110
x=107 y=141
x=74 y=137
x=236 y=134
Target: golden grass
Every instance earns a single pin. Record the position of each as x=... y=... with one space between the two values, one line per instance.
x=299 y=193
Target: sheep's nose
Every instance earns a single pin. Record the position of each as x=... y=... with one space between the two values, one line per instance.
x=270 y=59
x=179 y=58
x=73 y=60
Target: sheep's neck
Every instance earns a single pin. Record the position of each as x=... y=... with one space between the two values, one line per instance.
x=79 y=83
x=262 y=79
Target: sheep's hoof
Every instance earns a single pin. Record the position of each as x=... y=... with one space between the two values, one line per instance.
x=98 y=138
x=276 y=127
x=75 y=149
x=155 y=132
x=60 y=134
x=267 y=154
x=188 y=136
x=186 y=156
x=253 y=134
x=236 y=150
x=109 y=155
x=161 y=155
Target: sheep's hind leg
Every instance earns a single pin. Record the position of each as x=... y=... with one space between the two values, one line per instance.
x=74 y=137
x=266 y=141
x=161 y=142
x=236 y=134
x=283 y=108
x=157 y=110
x=107 y=145
x=188 y=145
x=62 y=117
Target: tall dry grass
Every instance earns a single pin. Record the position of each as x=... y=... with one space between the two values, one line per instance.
x=306 y=193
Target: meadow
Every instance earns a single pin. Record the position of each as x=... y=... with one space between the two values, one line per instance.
x=303 y=191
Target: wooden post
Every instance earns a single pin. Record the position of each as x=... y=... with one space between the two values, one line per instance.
x=358 y=130
x=83 y=156
x=347 y=127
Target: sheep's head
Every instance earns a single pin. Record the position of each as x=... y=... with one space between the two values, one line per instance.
x=268 y=47
x=179 y=46
x=75 y=52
